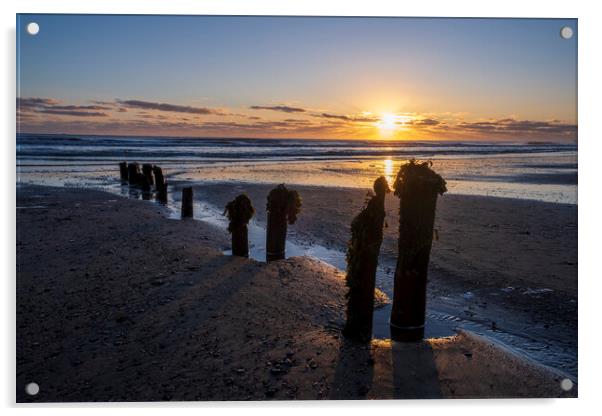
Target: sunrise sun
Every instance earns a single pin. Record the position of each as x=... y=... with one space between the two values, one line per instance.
x=388 y=122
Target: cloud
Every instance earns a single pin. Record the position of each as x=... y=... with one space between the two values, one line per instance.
x=512 y=126
x=51 y=106
x=33 y=102
x=79 y=107
x=75 y=113
x=143 y=124
x=354 y=119
x=40 y=114
x=32 y=105
x=283 y=108
x=149 y=105
x=105 y=103
x=424 y=122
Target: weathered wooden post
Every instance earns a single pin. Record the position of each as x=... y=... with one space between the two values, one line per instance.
x=362 y=260
x=145 y=186
x=147 y=171
x=418 y=187
x=162 y=192
x=123 y=171
x=160 y=184
x=283 y=206
x=239 y=212
x=134 y=174
x=187 y=210
x=159 y=178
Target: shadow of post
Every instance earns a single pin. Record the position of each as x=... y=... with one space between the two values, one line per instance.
x=354 y=371
x=415 y=373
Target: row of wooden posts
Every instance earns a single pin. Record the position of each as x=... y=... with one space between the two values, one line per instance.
x=418 y=188
x=145 y=179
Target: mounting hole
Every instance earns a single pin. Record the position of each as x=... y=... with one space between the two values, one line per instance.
x=32 y=389
x=566 y=384
x=33 y=28
x=566 y=32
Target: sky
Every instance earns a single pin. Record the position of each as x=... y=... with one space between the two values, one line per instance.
x=298 y=77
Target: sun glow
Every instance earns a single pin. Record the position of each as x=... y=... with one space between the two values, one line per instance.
x=389 y=123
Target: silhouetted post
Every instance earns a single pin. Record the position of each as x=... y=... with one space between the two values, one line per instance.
x=145 y=186
x=239 y=212
x=187 y=202
x=147 y=171
x=134 y=175
x=362 y=260
x=159 y=179
x=162 y=192
x=417 y=186
x=283 y=206
x=160 y=184
x=123 y=171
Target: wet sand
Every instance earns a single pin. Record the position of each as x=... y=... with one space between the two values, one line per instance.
x=508 y=264
x=117 y=303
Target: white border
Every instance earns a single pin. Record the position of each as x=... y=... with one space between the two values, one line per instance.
x=590 y=68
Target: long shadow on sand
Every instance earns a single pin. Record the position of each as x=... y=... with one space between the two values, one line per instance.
x=384 y=369
x=415 y=374
x=354 y=371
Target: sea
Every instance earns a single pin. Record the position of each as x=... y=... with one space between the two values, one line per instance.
x=543 y=171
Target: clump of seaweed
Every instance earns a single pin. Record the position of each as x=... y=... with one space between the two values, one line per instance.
x=284 y=201
x=418 y=174
x=239 y=212
x=283 y=206
x=362 y=260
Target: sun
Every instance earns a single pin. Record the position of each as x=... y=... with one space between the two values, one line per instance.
x=388 y=122
x=391 y=123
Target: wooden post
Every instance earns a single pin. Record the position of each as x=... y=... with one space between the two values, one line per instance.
x=160 y=184
x=282 y=208
x=162 y=192
x=417 y=186
x=187 y=198
x=147 y=171
x=134 y=174
x=123 y=171
x=145 y=185
x=239 y=212
x=362 y=260
x=159 y=179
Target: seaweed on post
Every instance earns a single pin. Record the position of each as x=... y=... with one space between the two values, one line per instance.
x=362 y=261
x=418 y=187
x=283 y=206
x=239 y=212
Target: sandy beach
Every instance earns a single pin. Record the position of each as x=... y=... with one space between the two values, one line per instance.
x=505 y=263
x=115 y=302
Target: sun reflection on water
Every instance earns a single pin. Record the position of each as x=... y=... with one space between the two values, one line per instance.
x=388 y=170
